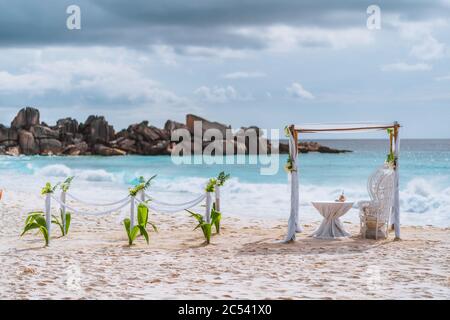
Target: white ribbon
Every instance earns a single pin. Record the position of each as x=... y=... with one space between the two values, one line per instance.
x=172 y=208
x=96 y=204
x=293 y=223
x=127 y=201
x=166 y=204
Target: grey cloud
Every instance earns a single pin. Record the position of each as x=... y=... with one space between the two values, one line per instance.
x=181 y=23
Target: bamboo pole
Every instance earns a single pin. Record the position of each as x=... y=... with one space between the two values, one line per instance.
x=345 y=129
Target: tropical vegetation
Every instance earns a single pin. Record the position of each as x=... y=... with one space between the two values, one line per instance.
x=141 y=228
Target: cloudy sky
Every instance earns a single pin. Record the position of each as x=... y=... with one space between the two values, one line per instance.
x=261 y=62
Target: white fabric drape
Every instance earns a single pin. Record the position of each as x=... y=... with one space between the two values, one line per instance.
x=174 y=207
x=331 y=227
x=87 y=213
x=95 y=204
x=293 y=224
x=167 y=204
x=396 y=207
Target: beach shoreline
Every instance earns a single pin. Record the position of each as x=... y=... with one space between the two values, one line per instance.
x=246 y=261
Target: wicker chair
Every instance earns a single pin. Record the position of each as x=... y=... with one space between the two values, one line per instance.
x=374 y=214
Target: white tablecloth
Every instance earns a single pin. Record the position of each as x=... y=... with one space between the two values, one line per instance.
x=331 y=227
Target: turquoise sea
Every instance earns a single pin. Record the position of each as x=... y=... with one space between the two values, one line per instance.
x=424 y=173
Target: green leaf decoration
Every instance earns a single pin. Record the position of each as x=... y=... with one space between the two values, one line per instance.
x=142 y=185
x=210 y=187
x=206 y=227
x=30 y=226
x=143 y=232
x=65 y=186
x=287 y=131
x=56 y=221
x=48 y=188
x=216 y=216
x=141 y=227
x=44 y=232
x=68 y=220
x=222 y=178
x=36 y=220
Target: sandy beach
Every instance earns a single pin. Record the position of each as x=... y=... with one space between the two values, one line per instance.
x=244 y=262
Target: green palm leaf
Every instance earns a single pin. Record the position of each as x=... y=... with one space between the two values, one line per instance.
x=144 y=233
x=30 y=226
x=68 y=220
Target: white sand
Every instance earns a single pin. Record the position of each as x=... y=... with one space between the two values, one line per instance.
x=244 y=262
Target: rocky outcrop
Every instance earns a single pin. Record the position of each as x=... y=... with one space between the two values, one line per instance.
x=13 y=151
x=27 y=143
x=171 y=126
x=97 y=130
x=27 y=135
x=26 y=118
x=206 y=125
x=305 y=147
x=8 y=136
x=80 y=148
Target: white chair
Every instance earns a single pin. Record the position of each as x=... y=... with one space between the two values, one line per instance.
x=374 y=214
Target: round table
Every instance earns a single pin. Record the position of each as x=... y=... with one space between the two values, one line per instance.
x=331 y=227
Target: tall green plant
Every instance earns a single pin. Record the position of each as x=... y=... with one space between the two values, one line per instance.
x=216 y=216
x=64 y=228
x=203 y=225
x=141 y=227
x=36 y=220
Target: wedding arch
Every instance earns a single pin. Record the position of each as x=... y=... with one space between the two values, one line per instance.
x=293 y=132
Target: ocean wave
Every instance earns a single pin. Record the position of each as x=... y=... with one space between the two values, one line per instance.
x=63 y=171
x=425 y=196
x=53 y=170
x=96 y=175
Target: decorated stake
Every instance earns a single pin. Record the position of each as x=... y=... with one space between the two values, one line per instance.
x=132 y=211
x=48 y=216
x=63 y=209
x=217 y=194
x=208 y=207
